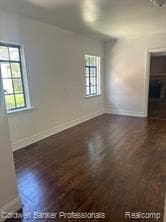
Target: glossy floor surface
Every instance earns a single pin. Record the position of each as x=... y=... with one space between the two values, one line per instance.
x=109 y=164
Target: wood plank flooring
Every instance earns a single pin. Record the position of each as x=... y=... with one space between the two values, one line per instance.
x=109 y=164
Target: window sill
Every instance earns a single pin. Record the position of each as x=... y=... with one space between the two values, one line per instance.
x=20 y=110
x=91 y=96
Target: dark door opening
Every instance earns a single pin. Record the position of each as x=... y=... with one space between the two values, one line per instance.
x=157 y=86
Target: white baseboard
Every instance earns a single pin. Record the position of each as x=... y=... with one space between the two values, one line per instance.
x=42 y=135
x=10 y=207
x=125 y=113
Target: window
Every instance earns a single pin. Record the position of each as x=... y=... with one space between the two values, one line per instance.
x=92 y=75
x=11 y=67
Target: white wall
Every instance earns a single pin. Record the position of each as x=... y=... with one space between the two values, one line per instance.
x=55 y=66
x=9 y=200
x=125 y=73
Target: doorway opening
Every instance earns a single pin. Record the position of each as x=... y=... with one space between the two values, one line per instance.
x=157 y=86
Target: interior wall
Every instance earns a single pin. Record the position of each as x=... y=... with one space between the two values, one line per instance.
x=126 y=74
x=55 y=69
x=9 y=200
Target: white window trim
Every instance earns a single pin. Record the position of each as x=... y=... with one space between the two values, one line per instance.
x=25 y=79
x=99 y=92
x=20 y=110
x=95 y=95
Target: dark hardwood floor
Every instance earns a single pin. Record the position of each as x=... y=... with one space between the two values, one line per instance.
x=109 y=164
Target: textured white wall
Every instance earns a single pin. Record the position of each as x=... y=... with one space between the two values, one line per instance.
x=125 y=73
x=55 y=67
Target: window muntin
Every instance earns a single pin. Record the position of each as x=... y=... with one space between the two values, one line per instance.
x=92 y=75
x=12 y=76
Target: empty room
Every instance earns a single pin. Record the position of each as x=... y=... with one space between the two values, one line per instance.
x=82 y=110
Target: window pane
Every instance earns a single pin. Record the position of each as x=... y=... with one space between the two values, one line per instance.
x=18 y=88
x=20 y=100
x=91 y=61
x=87 y=81
x=93 y=90
x=87 y=60
x=7 y=85
x=93 y=71
x=93 y=80
x=87 y=71
x=5 y=70
x=4 y=55
x=14 y=54
x=87 y=91
x=16 y=70
x=10 y=103
x=95 y=61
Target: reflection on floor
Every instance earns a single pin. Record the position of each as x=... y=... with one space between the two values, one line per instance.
x=109 y=164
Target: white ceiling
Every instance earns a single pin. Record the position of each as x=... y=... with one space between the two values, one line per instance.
x=98 y=18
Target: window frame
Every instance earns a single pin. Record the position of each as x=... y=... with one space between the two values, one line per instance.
x=23 y=77
x=97 y=76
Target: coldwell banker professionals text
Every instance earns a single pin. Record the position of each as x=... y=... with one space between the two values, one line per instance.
x=54 y=215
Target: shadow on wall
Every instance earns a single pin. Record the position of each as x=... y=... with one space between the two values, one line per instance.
x=110 y=49
x=124 y=76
